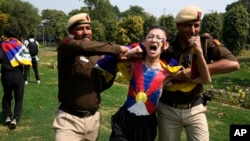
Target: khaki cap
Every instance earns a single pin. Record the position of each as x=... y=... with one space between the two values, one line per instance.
x=188 y=13
x=81 y=18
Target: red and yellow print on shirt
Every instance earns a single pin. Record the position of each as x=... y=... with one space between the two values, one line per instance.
x=144 y=89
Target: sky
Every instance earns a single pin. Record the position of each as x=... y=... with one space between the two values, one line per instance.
x=154 y=7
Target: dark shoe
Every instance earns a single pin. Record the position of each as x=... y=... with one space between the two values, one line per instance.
x=12 y=125
x=7 y=121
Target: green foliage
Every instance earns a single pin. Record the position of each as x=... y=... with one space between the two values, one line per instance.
x=212 y=23
x=22 y=15
x=117 y=12
x=111 y=29
x=247 y=46
x=98 y=31
x=3 y=22
x=245 y=3
x=55 y=24
x=235 y=29
x=168 y=21
x=233 y=88
x=134 y=11
x=149 y=21
x=100 y=10
x=233 y=95
x=132 y=28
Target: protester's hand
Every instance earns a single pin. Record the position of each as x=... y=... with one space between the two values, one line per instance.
x=195 y=42
x=185 y=75
x=123 y=49
x=135 y=52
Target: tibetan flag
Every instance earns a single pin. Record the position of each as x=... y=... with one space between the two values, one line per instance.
x=16 y=52
x=145 y=88
x=108 y=66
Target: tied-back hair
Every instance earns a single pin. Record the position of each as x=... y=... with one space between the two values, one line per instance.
x=11 y=32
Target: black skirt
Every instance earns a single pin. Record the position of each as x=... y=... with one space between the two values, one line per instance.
x=127 y=126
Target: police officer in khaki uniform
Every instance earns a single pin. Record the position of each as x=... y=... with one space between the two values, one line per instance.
x=79 y=82
x=178 y=109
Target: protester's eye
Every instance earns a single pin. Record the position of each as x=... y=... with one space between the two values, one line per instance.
x=159 y=38
x=150 y=37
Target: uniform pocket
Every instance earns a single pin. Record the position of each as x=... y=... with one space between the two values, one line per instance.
x=81 y=66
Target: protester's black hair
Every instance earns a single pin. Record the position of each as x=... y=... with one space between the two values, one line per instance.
x=31 y=35
x=11 y=32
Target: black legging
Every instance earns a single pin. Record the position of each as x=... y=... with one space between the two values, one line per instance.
x=35 y=69
x=12 y=82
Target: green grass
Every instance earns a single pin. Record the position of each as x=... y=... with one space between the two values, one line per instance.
x=40 y=102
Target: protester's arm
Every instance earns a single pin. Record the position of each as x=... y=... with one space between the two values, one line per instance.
x=134 y=52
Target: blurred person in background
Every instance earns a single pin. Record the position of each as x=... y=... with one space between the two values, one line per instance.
x=13 y=56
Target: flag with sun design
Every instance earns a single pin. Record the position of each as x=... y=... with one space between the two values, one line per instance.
x=144 y=89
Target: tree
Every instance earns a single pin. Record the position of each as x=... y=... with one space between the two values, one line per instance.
x=149 y=21
x=236 y=29
x=3 y=19
x=111 y=29
x=134 y=11
x=76 y=11
x=130 y=30
x=212 y=23
x=98 y=9
x=54 y=27
x=244 y=3
x=98 y=30
x=21 y=15
x=117 y=12
x=168 y=21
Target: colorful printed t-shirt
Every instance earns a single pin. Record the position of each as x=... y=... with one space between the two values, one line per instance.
x=144 y=89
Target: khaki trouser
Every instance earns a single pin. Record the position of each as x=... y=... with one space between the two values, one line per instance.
x=72 y=128
x=172 y=120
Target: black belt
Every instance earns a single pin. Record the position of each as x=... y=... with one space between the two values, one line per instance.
x=79 y=113
x=183 y=106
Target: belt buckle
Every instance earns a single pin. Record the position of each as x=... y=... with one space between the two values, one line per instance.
x=182 y=106
x=86 y=113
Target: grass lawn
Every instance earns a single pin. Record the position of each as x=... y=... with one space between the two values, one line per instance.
x=40 y=103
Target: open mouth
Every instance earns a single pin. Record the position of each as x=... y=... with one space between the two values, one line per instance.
x=153 y=48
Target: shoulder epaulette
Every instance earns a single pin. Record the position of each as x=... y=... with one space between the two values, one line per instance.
x=217 y=42
x=65 y=40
